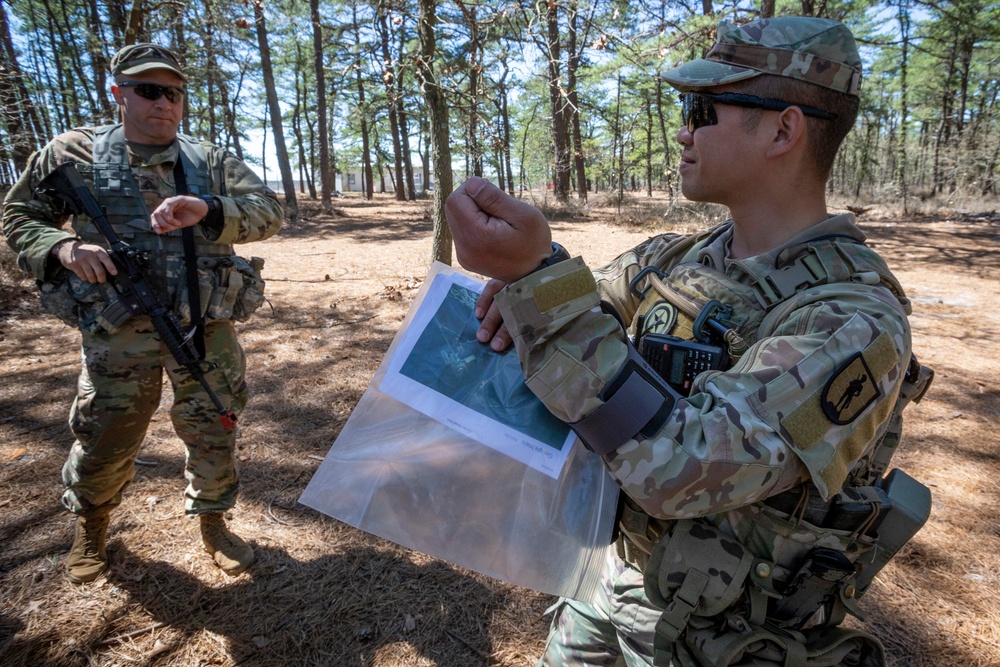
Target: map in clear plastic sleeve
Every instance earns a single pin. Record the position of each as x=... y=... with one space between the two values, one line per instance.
x=531 y=506
x=442 y=370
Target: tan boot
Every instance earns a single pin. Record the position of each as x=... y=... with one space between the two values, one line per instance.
x=88 y=558
x=231 y=553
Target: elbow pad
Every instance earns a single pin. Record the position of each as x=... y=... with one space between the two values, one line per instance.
x=637 y=401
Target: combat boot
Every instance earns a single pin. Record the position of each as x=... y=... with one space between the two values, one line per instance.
x=230 y=553
x=88 y=557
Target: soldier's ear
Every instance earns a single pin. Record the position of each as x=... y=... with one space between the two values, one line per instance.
x=788 y=131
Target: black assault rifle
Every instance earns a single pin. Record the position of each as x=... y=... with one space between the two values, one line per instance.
x=133 y=289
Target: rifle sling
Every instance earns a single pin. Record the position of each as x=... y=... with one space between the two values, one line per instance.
x=191 y=268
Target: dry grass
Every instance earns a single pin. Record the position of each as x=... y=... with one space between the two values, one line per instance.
x=322 y=593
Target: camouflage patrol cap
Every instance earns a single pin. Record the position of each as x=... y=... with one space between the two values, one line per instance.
x=819 y=51
x=138 y=58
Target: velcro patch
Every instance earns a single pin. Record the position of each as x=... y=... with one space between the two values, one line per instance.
x=851 y=389
x=560 y=291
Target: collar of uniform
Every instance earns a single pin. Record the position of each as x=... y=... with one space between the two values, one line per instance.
x=761 y=265
x=149 y=155
x=715 y=253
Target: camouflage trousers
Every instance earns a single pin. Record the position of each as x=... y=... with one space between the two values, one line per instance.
x=618 y=628
x=119 y=390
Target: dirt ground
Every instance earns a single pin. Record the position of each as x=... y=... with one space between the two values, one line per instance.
x=323 y=593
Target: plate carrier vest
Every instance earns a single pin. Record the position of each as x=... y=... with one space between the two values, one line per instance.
x=796 y=589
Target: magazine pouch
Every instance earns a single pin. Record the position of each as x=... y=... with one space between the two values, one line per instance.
x=231 y=288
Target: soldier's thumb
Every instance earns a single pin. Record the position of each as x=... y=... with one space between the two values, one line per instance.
x=495 y=202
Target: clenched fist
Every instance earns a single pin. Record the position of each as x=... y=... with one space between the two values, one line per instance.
x=495 y=234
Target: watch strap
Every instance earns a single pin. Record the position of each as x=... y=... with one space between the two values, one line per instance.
x=559 y=254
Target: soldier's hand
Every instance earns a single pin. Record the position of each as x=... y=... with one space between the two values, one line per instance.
x=495 y=234
x=178 y=212
x=88 y=261
x=492 y=330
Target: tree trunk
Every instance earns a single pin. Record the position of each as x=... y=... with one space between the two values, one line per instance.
x=287 y=181
x=579 y=161
x=560 y=134
x=437 y=107
x=20 y=119
x=904 y=31
x=401 y=115
x=80 y=84
x=325 y=178
x=232 y=133
x=524 y=149
x=388 y=78
x=404 y=139
x=649 y=147
x=210 y=67
x=367 y=176
x=135 y=31
x=297 y=121
x=425 y=155
x=62 y=105
x=297 y=131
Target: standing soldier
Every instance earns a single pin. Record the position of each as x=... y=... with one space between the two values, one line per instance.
x=743 y=385
x=203 y=200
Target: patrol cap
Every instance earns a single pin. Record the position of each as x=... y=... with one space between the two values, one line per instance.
x=819 y=51
x=138 y=58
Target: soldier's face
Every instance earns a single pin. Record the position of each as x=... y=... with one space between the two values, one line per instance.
x=150 y=121
x=719 y=161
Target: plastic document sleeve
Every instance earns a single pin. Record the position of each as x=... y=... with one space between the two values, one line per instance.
x=423 y=477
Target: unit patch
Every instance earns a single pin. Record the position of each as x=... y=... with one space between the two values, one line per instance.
x=852 y=389
x=660 y=319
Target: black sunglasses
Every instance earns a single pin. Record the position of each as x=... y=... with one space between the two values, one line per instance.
x=698 y=109
x=153 y=91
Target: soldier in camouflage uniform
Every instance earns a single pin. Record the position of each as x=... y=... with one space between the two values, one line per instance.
x=724 y=554
x=132 y=168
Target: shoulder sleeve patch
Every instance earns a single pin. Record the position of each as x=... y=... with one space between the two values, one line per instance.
x=855 y=384
x=851 y=389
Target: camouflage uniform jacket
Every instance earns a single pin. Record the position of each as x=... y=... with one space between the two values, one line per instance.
x=251 y=212
x=745 y=433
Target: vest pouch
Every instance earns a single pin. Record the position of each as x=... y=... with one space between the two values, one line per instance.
x=231 y=288
x=809 y=579
x=778 y=537
x=219 y=284
x=79 y=303
x=251 y=294
x=695 y=570
x=771 y=647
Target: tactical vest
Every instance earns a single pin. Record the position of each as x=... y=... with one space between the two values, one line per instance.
x=781 y=574
x=115 y=186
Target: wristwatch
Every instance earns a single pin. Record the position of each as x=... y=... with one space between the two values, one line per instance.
x=214 y=208
x=559 y=254
x=60 y=243
x=213 y=219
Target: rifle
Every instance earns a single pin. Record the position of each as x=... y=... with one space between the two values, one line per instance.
x=133 y=289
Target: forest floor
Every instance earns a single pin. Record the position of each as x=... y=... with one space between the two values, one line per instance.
x=324 y=593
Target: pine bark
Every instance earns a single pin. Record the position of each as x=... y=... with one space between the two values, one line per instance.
x=437 y=106
x=287 y=181
x=325 y=177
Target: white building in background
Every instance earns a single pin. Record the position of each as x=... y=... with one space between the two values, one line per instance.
x=350 y=181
